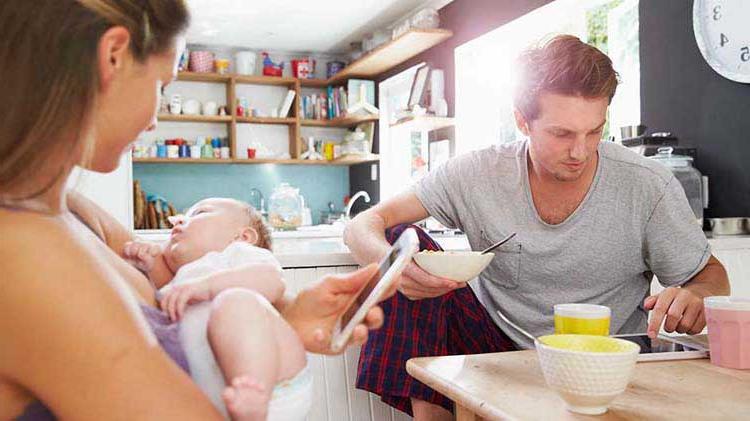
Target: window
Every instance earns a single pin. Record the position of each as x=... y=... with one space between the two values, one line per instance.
x=403 y=154
x=484 y=66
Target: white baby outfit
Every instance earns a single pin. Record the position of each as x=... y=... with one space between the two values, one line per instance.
x=291 y=399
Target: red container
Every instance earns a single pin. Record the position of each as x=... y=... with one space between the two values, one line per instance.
x=303 y=68
x=250 y=153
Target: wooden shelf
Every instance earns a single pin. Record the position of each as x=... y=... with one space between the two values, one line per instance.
x=203 y=77
x=265 y=80
x=239 y=79
x=393 y=53
x=339 y=122
x=313 y=83
x=180 y=161
x=196 y=118
x=267 y=120
x=424 y=123
x=338 y=162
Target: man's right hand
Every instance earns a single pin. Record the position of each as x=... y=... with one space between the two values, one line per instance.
x=417 y=284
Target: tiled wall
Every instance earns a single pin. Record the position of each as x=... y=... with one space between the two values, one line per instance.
x=182 y=184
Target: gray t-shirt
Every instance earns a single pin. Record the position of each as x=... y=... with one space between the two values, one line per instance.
x=634 y=221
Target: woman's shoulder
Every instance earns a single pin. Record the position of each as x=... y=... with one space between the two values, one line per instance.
x=37 y=247
x=24 y=231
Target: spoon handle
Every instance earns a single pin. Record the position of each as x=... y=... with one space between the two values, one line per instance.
x=499 y=243
x=515 y=326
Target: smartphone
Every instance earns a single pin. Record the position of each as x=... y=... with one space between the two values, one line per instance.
x=665 y=347
x=388 y=272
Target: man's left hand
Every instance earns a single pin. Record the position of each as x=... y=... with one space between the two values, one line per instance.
x=680 y=309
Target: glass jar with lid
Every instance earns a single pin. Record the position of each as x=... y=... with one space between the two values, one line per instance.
x=285 y=208
x=688 y=176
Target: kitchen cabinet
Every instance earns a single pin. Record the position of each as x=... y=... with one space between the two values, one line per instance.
x=335 y=395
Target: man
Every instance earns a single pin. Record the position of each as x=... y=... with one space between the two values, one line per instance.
x=594 y=223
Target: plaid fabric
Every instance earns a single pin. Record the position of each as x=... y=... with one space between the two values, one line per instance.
x=455 y=323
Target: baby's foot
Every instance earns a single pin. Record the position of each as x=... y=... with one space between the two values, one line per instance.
x=246 y=399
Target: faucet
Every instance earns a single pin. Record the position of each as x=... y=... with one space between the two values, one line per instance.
x=357 y=195
x=254 y=192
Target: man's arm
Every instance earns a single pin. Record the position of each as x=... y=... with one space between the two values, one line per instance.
x=683 y=307
x=365 y=237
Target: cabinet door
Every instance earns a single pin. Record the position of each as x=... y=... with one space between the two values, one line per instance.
x=335 y=396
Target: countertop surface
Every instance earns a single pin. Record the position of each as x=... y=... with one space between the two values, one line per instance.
x=314 y=248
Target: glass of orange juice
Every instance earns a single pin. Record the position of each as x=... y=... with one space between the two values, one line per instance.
x=582 y=319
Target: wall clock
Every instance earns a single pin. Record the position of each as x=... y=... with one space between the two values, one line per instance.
x=722 y=31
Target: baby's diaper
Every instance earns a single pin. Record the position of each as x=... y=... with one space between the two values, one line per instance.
x=291 y=399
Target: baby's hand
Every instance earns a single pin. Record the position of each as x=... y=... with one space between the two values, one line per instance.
x=141 y=254
x=177 y=298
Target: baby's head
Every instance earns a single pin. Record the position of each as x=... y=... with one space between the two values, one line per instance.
x=212 y=225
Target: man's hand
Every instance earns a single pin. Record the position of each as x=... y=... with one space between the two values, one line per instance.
x=177 y=298
x=141 y=254
x=417 y=284
x=682 y=308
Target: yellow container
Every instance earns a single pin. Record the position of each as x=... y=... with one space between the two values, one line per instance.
x=582 y=319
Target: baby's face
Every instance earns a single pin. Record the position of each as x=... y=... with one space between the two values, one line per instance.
x=209 y=225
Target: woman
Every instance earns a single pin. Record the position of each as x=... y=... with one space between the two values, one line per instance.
x=80 y=80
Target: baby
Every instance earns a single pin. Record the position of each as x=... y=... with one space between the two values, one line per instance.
x=221 y=280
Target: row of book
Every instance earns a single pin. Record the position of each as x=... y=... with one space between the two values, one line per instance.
x=332 y=104
x=337 y=101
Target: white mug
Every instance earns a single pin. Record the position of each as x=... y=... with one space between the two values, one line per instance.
x=244 y=62
x=210 y=108
x=191 y=107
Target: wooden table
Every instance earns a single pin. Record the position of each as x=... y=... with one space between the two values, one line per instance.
x=510 y=385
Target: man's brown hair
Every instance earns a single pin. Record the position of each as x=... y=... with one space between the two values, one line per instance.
x=562 y=65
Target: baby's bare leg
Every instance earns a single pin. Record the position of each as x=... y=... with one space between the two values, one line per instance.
x=255 y=349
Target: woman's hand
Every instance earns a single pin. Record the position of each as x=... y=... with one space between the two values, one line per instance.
x=177 y=298
x=314 y=312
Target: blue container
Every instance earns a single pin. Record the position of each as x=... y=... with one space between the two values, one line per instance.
x=333 y=67
x=184 y=151
x=161 y=151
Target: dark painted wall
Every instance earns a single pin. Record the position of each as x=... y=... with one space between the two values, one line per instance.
x=682 y=94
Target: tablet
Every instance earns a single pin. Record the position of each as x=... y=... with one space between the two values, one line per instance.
x=664 y=347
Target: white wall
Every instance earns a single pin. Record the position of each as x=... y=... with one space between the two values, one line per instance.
x=113 y=191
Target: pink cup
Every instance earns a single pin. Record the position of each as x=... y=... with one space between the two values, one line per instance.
x=728 y=320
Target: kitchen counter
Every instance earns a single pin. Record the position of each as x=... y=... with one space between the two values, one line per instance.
x=298 y=249
x=313 y=248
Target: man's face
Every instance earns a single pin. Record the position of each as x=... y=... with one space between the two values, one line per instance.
x=565 y=136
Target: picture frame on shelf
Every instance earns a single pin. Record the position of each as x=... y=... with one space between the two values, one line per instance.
x=419 y=87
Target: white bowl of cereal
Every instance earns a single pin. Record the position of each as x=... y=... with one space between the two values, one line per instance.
x=459 y=266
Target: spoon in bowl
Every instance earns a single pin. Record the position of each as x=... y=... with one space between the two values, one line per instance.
x=498 y=244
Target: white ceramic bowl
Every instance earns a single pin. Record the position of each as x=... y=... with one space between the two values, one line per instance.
x=587 y=371
x=459 y=266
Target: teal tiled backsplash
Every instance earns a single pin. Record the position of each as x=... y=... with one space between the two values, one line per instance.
x=184 y=184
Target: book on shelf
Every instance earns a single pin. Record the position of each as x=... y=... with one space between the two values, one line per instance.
x=286 y=104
